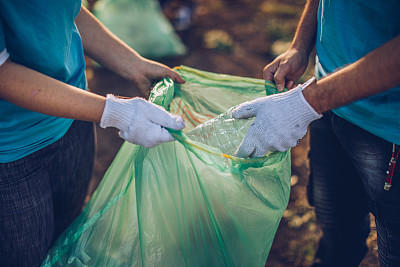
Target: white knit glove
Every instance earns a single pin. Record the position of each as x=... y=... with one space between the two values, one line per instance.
x=139 y=121
x=281 y=121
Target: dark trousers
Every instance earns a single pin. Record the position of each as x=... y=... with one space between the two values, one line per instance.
x=347 y=175
x=42 y=193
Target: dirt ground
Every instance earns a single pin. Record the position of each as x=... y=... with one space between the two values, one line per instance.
x=250 y=33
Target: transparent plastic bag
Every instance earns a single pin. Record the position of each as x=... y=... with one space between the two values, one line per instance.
x=224 y=132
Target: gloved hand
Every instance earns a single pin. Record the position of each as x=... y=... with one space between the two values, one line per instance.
x=139 y=121
x=281 y=121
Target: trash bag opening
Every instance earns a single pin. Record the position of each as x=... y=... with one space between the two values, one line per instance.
x=221 y=134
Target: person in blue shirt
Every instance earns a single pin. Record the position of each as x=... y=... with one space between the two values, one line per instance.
x=47 y=115
x=355 y=129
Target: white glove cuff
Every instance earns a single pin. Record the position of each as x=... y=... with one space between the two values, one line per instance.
x=303 y=110
x=3 y=56
x=113 y=114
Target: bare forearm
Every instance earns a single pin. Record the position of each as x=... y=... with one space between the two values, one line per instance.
x=104 y=47
x=34 y=91
x=304 y=39
x=377 y=72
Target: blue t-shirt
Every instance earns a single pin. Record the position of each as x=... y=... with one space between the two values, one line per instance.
x=41 y=35
x=347 y=31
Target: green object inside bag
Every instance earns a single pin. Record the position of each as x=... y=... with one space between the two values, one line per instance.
x=184 y=203
x=142 y=25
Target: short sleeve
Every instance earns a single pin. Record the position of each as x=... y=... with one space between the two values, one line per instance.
x=2 y=36
x=3 y=51
x=3 y=56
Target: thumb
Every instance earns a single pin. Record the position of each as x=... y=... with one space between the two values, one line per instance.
x=159 y=116
x=175 y=76
x=259 y=152
x=155 y=135
x=246 y=148
x=245 y=110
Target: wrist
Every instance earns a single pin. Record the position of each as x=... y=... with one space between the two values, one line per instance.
x=132 y=66
x=302 y=48
x=114 y=113
x=310 y=95
x=302 y=110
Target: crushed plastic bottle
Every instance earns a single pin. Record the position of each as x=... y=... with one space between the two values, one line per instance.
x=223 y=132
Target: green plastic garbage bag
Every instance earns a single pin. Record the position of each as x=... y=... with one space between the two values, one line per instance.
x=142 y=25
x=184 y=203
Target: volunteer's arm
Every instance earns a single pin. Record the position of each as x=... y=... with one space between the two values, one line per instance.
x=282 y=119
x=139 y=121
x=376 y=72
x=104 y=47
x=289 y=66
x=32 y=90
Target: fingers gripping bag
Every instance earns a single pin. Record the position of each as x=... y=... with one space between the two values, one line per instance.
x=188 y=202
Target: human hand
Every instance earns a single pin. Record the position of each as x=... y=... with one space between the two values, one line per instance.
x=286 y=68
x=281 y=121
x=147 y=72
x=139 y=121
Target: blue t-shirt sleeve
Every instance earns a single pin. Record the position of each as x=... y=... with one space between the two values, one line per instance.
x=3 y=52
x=2 y=37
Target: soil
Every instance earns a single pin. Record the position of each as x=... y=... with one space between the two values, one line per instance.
x=249 y=34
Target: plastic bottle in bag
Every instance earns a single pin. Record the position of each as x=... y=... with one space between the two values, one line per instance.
x=223 y=131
